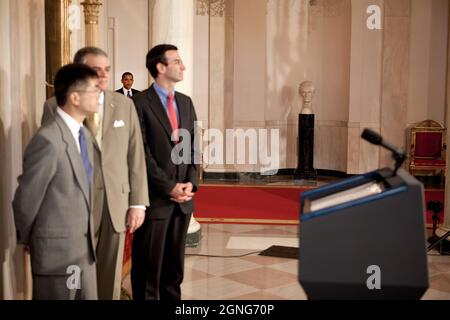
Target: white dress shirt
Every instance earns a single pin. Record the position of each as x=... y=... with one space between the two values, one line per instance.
x=125 y=91
x=100 y=113
x=73 y=125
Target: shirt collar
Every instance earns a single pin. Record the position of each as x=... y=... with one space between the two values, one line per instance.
x=73 y=124
x=101 y=99
x=161 y=91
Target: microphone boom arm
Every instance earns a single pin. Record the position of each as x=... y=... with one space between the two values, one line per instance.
x=397 y=154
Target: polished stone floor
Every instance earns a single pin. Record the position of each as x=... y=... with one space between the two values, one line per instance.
x=226 y=266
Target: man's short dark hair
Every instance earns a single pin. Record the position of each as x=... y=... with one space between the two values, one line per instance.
x=80 y=55
x=127 y=74
x=72 y=77
x=156 y=55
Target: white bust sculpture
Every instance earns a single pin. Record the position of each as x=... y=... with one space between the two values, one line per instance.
x=306 y=90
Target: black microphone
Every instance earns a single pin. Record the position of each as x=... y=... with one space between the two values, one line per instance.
x=371 y=136
x=377 y=139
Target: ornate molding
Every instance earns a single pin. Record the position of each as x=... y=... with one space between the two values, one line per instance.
x=91 y=11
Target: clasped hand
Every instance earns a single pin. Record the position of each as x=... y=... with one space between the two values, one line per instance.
x=182 y=192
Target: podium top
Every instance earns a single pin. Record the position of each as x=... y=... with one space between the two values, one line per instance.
x=353 y=191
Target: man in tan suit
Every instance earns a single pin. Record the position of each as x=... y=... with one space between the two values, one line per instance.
x=53 y=202
x=120 y=175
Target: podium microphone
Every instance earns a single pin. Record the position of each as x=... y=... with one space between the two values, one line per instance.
x=397 y=154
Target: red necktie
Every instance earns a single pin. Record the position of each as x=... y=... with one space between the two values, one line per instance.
x=172 y=115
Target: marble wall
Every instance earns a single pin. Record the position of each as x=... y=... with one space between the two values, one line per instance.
x=276 y=46
x=128 y=41
x=329 y=52
x=395 y=73
x=384 y=79
x=248 y=62
x=428 y=59
x=22 y=93
x=365 y=88
x=123 y=34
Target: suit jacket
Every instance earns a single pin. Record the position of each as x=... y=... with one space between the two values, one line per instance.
x=52 y=204
x=119 y=167
x=133 y=91
x=162 y=172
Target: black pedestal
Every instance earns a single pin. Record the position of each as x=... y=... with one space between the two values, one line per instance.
x=305 y=163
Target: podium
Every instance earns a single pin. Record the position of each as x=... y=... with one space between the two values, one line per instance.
x=364 y=238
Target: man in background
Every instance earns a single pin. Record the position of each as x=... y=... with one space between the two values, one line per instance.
x=120 y=178
x=127 y=81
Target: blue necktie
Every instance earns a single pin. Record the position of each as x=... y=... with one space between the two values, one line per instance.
x=85 y=157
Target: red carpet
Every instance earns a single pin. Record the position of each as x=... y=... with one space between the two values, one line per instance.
x=261 y=204
x=254 y=204
x=248 y=204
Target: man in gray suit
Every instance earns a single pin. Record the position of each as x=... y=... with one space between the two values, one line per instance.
x=120 y=175
x=53 y=202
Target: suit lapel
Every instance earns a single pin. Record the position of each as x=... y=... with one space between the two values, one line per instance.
x=181 y=109
x=74 y=157
x=157 y=108
x=94 y=141
x=108 y=112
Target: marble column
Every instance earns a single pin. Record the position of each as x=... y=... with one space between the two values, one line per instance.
x=365 y=87
x=395 y=75
x=172 y=21
x=91 y=15
x=57 y=39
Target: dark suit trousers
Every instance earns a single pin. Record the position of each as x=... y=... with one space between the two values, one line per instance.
x=158 y=257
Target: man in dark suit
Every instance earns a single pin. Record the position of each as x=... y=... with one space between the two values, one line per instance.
x=167 y=121
x=127 y=81
x=53 y=202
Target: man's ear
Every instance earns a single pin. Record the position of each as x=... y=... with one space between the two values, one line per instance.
x=74 y=98
x=161 y=67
